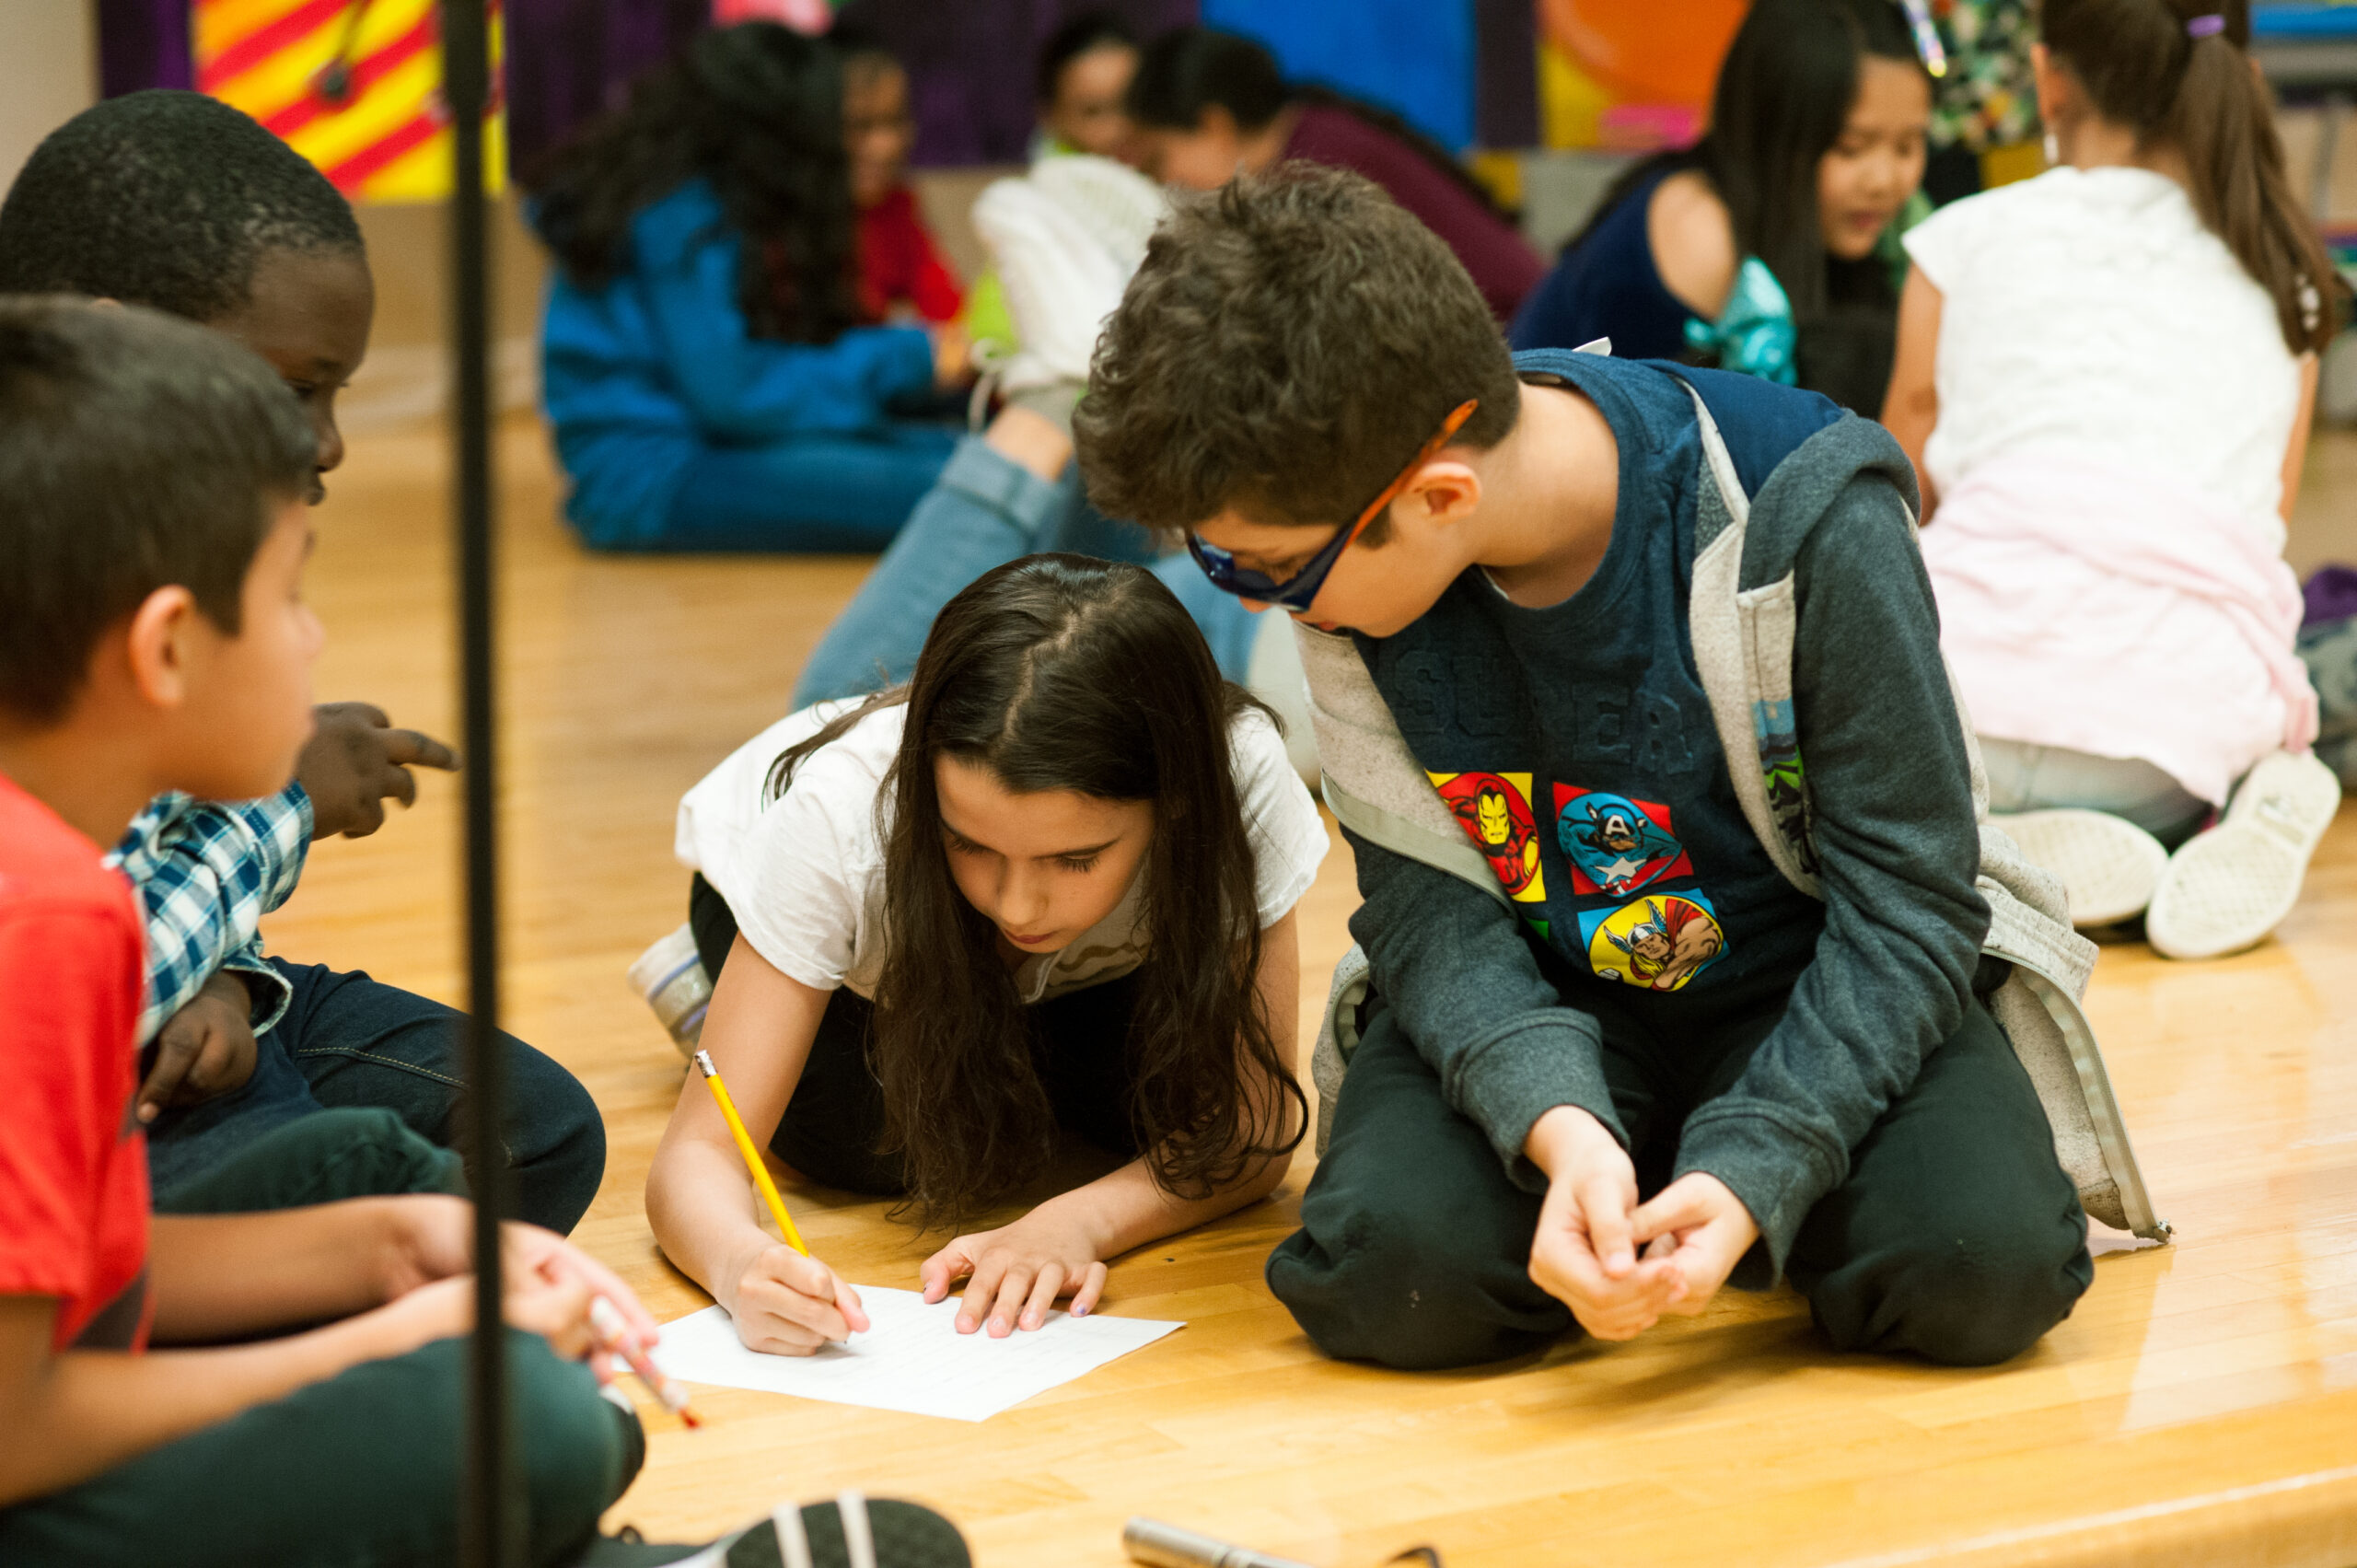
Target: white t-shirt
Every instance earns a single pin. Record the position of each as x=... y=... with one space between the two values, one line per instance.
x=2090 y=311
x=804 y=874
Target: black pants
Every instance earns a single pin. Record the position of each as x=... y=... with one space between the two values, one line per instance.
x=1957 y=1236
x=361 y=1467
x=832 y=1124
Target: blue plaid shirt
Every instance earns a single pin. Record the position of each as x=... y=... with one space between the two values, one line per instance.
x=206 y=873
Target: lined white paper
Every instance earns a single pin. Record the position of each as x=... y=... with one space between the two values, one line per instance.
x=913 y=1359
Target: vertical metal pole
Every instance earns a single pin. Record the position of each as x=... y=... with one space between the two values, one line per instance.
x=491 y=1527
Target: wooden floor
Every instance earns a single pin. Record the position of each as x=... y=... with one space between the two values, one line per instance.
x=2199 y=1408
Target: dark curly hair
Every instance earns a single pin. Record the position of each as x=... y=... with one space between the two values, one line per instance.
x=166 y=199
x=1290 y=342
x=757 y=113
x=1063 y=672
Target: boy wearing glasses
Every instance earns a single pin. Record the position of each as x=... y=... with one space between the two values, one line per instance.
x=1643 y=1006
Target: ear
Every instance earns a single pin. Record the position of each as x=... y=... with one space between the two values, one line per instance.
x=1445 y=491
x=159 y=643
x=2056 y=102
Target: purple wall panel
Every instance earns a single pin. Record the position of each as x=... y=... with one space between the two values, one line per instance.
x=568 y=60
x=143 y=43
x=970 y=61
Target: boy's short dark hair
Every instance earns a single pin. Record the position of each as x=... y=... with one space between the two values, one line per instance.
x=136 y=451
x=166 y=199
x=1288 y=344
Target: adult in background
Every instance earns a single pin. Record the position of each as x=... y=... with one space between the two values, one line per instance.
x=1208 y=105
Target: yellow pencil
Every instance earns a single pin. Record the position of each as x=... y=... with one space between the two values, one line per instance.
x=746 y=1146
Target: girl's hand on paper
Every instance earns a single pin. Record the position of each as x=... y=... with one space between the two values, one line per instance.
x=1016 y=1274
x=786 y=1303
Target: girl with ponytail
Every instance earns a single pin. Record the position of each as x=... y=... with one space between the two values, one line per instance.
x=2105 y=378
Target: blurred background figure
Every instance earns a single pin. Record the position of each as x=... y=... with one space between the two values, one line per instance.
x=1772 y=245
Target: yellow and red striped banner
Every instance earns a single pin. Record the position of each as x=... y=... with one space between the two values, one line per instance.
x=356 y=85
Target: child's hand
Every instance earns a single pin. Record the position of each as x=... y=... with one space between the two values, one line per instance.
x=205 y=1049
x=1016 y=1273
x=354 y=760
x=556 y=1310
x=786 y=1303
x=1708 y=1226
x=953 y=352
x=1584 y=1253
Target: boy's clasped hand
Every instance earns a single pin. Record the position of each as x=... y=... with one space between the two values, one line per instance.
x=1619 y=1264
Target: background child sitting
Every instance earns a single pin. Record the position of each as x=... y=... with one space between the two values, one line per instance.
x=1209 y=104
x=902 y=274
x=2105 y=377
x=1769 y=246
x=705 y=364
x=177 y=201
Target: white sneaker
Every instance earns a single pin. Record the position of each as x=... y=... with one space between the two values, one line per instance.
x=2226 y=888
x=1066 y=240
x=671 y=976
x=2108 y=864
x=1116 y=203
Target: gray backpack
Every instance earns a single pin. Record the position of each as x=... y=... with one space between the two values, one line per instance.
x=1742 y=637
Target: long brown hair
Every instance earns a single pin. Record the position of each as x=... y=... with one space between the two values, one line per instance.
x=2141 y=69
x=1062 y=673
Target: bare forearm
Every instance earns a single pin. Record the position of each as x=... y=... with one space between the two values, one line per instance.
x=704 y=1211
x=87 y=1411
x=223 y=1276
x=1124 y=1208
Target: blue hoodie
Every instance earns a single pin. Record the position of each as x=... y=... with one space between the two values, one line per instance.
x=659 y=366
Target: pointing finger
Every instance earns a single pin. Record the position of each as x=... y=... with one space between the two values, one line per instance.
x=418 y=748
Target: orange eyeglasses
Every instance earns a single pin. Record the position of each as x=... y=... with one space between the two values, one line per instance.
x=1297 y=592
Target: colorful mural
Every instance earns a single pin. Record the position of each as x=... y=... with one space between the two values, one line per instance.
x=356 y=85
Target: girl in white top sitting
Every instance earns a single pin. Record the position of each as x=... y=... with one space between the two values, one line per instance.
x=2105 y=376
x=1045 y=888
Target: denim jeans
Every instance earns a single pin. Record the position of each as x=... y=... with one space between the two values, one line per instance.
x=812 y=495
x=362 y=1467
x=346 y=1040
x=2039 y=778
x=984 y=511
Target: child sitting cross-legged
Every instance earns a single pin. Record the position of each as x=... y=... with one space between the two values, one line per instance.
x=153 y=637
x=1613 y=1053
x=177 y=201
x=1046 y=888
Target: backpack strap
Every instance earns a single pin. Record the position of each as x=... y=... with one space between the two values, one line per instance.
x=1743 y=650
x=1371 y=780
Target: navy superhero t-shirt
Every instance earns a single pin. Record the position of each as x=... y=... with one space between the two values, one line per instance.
x=1574 y=743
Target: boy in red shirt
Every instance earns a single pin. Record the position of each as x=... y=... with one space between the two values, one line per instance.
x=153 y=637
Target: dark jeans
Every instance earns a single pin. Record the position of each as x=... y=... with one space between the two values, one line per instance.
x=363 y=1468
x=1957 y=1236
x=346 y=1040
x=835 y=1118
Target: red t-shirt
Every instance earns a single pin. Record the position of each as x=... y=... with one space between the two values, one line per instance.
x=897 y=261
x=73 y=1159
